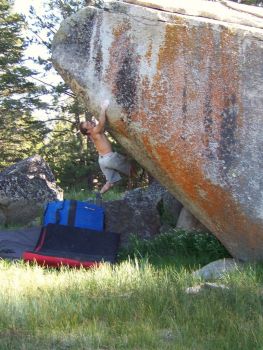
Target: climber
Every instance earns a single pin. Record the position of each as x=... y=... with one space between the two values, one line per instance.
x=111 y=163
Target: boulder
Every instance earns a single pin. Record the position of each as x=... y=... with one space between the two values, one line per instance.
x=185 y=84
x=168 y=206
x=188 y=222
x=147 y=212
x=126 y=217
x=218 y=268
x=153 y=194
x=172 y=208
x=141 y=212
x=25 y=188
x=206 y=286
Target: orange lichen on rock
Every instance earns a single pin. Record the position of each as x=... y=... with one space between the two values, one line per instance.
x=148 y=54
x=120 y=127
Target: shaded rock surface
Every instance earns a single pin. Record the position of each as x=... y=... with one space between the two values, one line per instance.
x=166 y=204
x=25 y=188
x=132 y=217
x=139 y=212
x=186 y=101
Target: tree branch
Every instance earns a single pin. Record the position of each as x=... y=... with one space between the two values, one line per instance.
x=58 y=119
x=43 y=82
x=39 y=37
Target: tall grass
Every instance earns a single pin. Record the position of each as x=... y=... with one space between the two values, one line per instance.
x=176 y=247
x=133 y=305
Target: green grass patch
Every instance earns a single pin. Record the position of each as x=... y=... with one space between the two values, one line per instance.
x=133 y=305
x=176 y=247
x=83 y=194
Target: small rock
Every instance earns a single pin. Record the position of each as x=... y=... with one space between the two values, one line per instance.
x=167 y=334
x=187 y=221
x=208 y=285
x=217 y=268
x=194 y=289
x=205 y=286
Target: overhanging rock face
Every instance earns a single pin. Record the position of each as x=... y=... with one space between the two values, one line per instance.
x=186 y=89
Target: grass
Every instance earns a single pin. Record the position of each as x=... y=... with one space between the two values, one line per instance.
x=133 y=305
x=140 y=303
x=83 y=194
x=176 y=247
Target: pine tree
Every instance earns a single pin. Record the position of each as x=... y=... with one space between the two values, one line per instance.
x=20 y=133
x=71 y=157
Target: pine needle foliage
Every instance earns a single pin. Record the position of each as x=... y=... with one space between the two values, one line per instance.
x=20 y=133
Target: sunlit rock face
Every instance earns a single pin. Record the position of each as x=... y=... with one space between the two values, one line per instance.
x=186 y=88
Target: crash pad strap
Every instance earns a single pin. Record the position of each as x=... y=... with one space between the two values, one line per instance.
x=72 y=213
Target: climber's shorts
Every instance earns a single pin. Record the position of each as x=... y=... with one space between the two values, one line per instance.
x=112 y=164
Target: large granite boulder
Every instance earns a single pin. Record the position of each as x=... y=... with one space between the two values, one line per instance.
x=185 y=82
x=25 y=188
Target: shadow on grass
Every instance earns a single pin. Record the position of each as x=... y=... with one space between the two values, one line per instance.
x=133 y=305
